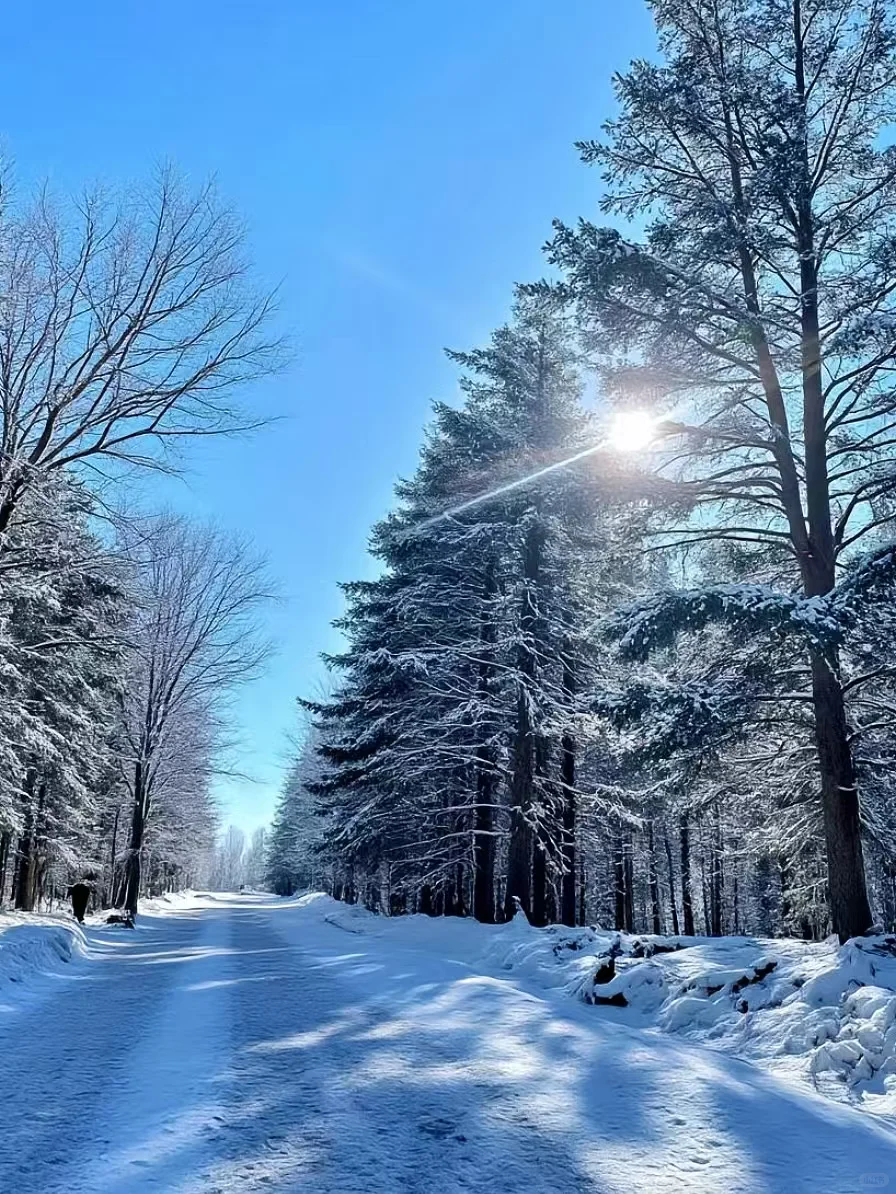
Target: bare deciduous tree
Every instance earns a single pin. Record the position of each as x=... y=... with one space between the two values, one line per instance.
x=126 y=322
x=196 y=639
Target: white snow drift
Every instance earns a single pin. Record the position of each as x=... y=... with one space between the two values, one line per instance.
x=818 y=1012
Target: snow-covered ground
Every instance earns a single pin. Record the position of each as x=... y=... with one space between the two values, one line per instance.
x=819 y=1014
x=34 y=949
x=245 y=1043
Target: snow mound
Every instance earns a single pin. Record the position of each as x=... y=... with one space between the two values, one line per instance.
x=820 y=1012
x=32 y=947
x=813 y=1012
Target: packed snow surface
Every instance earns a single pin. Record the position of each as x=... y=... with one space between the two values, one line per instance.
x=245 y=1043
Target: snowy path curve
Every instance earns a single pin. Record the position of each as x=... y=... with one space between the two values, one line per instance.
x=245 y=1045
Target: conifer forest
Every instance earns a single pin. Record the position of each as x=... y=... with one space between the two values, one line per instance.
x=628 y=657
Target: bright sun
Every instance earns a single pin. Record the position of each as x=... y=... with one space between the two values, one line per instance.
x=631 y=431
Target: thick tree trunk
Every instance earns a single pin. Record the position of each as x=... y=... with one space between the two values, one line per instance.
x=460 y=902
x=26 y=876
x=519 y=866
x=811 y=534
x=484 y=849
x=848 y=894
x=629 y=867
x=676 y=929
x=5 y=842
x=619 y=882
x=541 y=898
x=786 y=906
x=522 y=788
x=109 y=894
x=539 y=913
x=654 y=881
x=850 y=908
x=483 y=820
x=28 y=871
x=568 y=783
x=132 y=865
x=716 y=878
x=736 y=901
x=687 y=904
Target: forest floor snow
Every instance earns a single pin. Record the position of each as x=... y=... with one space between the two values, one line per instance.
x=247 y=1043
x=816 y=1012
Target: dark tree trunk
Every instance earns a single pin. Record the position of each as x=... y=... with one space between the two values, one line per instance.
x=716 y=879
x=568 y=783
x=484 y=847
x=629 y=867
x=736 y=899
x=132 y=866
x=786 y=906
x=28 y=870
x=687 y=904
x=540 y=893
x=460 y=903
x=619 y=882
x=483 y=821
x=847 y=891
x=109 y=894
x=26 y=888
x=812 y=535
x=582 y=907
x=5 y=842
x=654 y=880
x=539 y=913
x=676 y=929
x=848 y=894
x=522 y=787
x=519 y=866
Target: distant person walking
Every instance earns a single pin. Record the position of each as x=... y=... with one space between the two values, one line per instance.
x=80 y=893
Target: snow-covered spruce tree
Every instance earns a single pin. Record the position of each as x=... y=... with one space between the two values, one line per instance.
x=717 y=734
x=450 y=743
x=63 y=612
x=293 y=855
x=760 y=302
x=195 y=639
x=390 y=744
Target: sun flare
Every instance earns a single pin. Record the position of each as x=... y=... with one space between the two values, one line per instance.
x=631 y=431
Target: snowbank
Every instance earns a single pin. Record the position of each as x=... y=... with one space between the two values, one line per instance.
x=34 y=947
x=173 y=901
x=815 y=1012
x=38 y=946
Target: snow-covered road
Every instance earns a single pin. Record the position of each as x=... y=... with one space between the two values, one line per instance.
x=243 y=1044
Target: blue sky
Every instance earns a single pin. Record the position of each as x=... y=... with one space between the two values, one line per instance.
x=398 y=163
